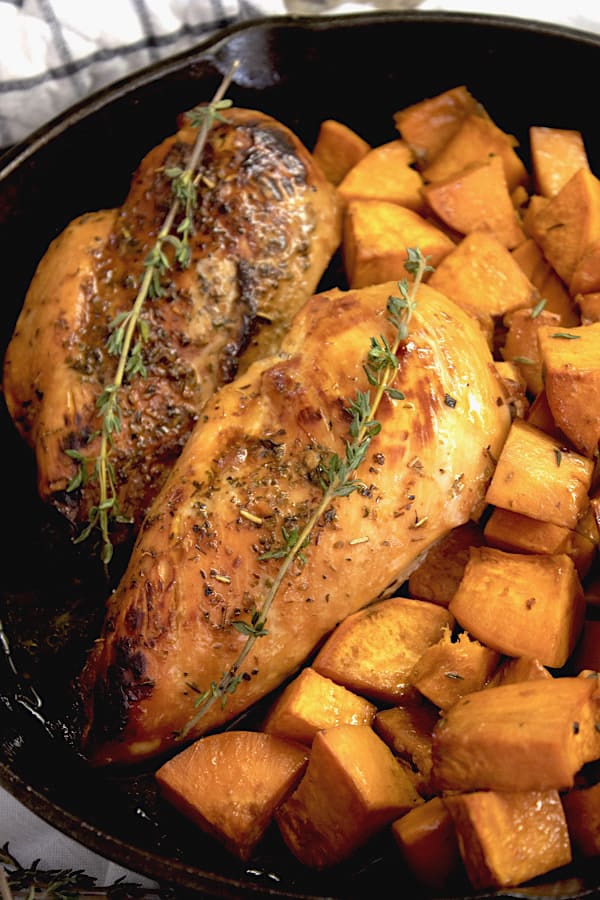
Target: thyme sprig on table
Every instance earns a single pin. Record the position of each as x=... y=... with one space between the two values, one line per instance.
x=337 y=477
x=129 y=331
x=35 y=883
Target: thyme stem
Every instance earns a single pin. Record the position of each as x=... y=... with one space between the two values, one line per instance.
x=184 y=184
x=340 y=478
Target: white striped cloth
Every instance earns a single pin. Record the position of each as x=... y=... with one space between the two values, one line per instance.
x=55 y=52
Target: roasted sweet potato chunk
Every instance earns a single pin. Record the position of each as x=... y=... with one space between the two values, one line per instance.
x=384 y=173
x=438 y=576
x=312 y=702
x=589 y=307
x=540 y=416
x=567 y=224
x=427 y=841
x=586 y=277
x=582 y=810
x=521 y=604
x=515 y=533
x=571 y=359
x=230 y=784
x=539 y=477
x=481 y=274
x=556 y=155
x=477 y=199
x=527 y=736
x=453 y=668
x=376 y=234
x=428 y=125
x=517 y=669
x=508 y=838
x=543 y=277
x=337 y=149
x=476 y=139
x=353 y=788
x=408 y=730
x=521 y=343
x=373 y=651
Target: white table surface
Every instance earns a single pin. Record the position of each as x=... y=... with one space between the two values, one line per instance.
x=31 y=838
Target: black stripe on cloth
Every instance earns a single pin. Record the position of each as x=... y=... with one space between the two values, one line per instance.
x=61 y=45
x=106 y=54
x=146 y=23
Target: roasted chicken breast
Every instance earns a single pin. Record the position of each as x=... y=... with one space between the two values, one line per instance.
x=248 y=471
x=264 y=229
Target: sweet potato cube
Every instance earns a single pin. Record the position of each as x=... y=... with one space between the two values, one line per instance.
x=529 y=736
x=508 y=838
x=519 y=198
x=408 y=730
x=513 y=532
x=480 y=273
x=588 y=525
x=438 y=576
x=352 y=789
x=516 y=533
x=376 y=235
x=539 y=415
x=312 y=702
x=571 y=358
x=536 y=203
x=453 y=668
x=586 y=277
x=385 y=173
x=589 y=307
x=230 y=783
x=477 y=139
x=521 y=604
x=373 y=651
x=538 y=477
x=518 y=669
x=556 y=155
x=543 y=277
x=521 y=343
x=583 y=552
x=337 y=149
x=568 y=223
x=582 y=811
x=428 y=125
x=427 y=841
x=477 y=199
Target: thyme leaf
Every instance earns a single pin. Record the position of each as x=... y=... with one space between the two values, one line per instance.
x=538 y=308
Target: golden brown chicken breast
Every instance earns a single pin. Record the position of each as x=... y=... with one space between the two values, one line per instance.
x=204 y=559
x=264 y=229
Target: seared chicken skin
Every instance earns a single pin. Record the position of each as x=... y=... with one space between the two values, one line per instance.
x=249 y=470
x=265 y=227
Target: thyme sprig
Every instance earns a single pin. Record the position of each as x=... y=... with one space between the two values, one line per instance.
x=33 y=882
x=337 y=477
x=129 y=331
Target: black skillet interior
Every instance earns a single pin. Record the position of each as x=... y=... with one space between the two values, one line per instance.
x=358 y=69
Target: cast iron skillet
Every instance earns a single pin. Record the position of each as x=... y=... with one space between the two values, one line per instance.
x=358 y=69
